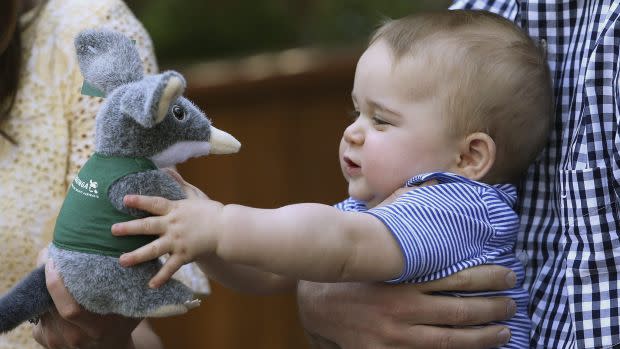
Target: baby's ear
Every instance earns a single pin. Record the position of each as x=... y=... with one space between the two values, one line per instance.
x=477 y=156
x=148 y=100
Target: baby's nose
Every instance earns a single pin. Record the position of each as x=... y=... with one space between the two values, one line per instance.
x=354 y=134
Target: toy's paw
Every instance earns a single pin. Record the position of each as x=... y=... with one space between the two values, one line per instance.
x=174 y=309
x=192 y=304
x=168 y=310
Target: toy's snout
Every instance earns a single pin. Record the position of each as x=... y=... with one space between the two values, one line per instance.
x=222 y=142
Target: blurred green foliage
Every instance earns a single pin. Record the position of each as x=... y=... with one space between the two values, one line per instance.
x=190 y=30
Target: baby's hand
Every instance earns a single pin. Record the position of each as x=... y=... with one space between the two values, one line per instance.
x=184 y=227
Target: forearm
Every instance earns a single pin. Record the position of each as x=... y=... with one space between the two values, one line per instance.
x=244 y=278
x=308 y=241
x=301 y=242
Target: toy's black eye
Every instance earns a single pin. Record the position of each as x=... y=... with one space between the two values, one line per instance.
x=178 y=112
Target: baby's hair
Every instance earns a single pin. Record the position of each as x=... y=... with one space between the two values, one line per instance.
x=488 y=73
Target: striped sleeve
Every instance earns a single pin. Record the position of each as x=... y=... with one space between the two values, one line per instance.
x=351 y=205
x=505 y=8
x=441 y=229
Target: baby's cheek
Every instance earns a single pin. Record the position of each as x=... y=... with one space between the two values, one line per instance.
x=377 y=179
x=340 y=161
x=387 y=178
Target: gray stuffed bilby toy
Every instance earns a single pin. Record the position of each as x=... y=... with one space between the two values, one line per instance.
x=144 y=124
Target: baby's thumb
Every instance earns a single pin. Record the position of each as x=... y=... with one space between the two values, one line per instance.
x=174 y=174
x=190 y=191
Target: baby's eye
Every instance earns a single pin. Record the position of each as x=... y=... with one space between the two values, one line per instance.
x=354 y=114
x=379 y=121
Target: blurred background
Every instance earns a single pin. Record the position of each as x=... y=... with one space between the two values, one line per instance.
x=276 y=74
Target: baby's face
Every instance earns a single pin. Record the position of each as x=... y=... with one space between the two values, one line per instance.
x=395 y=136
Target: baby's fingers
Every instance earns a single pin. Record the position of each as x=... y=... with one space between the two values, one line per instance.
x=145 y=253
x=156 y=205
x=165 y=273
x=144 y=226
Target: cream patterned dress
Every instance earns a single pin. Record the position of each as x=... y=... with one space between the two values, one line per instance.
x=53 y=125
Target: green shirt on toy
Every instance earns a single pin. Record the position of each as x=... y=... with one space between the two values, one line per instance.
x=86 y=217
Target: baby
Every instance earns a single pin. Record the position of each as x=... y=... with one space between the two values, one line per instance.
x=453 y=106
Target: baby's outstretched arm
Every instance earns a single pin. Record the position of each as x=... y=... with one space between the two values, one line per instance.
x=234 y=276
x=303 y=241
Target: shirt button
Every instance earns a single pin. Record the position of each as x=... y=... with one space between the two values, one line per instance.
x=523 y=257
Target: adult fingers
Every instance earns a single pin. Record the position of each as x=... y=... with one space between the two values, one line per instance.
x=153 y=204
x=461 y=338
x=71 y=326
x=54 y=332
x=83 y=333
x=145 y=253
x=66 y=306
x=47 y=334
x=422 y=336
x=64 y=302
x=461 y=311
x=165 y=273
x=72 y=334
x=480 y=278
x=153 y=225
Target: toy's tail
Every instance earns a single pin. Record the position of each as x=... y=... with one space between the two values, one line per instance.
x=25 y=301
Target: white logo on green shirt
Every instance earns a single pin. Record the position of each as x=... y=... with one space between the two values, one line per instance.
x=85 y=188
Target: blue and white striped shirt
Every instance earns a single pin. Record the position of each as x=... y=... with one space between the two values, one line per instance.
x=456 y=224
x=569 y=200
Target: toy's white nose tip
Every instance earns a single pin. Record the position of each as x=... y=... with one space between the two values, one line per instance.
x=222 y=142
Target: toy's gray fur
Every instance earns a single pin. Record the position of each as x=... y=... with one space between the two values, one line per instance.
x=144 y=183
x=141 y=117
x=107 y=59
x=99 y=282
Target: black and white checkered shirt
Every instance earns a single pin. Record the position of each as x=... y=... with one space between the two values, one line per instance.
x=570 y=221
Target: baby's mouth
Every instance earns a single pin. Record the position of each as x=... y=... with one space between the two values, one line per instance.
x=350 y=163
x=351 y=168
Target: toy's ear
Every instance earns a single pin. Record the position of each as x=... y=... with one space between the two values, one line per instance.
x=107 y=59
x=148 y=101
